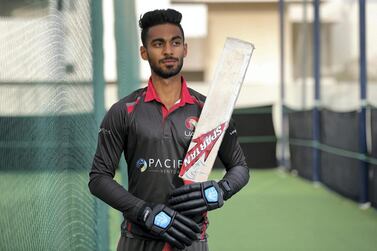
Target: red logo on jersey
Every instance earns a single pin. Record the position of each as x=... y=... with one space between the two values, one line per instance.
x=204 y=145
x=191 y=122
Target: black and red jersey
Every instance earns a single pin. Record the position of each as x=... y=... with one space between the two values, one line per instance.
x=154 y=141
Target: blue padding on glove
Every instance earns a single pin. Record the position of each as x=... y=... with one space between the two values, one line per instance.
x=211 y=194
x=162 y=220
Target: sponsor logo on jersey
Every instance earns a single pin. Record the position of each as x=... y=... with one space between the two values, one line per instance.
x=159 y=165
x=142 y=165
x=190 y=124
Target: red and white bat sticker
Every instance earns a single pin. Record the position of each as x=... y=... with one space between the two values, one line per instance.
x=199 y=153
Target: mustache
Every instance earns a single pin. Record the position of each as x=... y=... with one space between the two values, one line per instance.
x=168 y=58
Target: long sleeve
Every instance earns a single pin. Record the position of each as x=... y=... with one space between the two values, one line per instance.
x=112 y=138
x=230 y=153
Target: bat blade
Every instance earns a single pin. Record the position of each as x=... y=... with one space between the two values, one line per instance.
x=218 y=107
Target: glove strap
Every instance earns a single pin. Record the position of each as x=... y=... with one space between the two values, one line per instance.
x=224 y=185
x=144 y=212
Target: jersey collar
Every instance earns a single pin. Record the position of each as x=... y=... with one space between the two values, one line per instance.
x=151 y=93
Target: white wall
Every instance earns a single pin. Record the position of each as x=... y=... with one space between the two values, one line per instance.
x=256 y=23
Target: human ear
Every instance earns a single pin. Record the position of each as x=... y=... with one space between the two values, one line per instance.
x=143 y=53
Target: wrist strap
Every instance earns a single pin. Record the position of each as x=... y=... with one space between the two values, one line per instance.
x=224 y=185
x=144 y=212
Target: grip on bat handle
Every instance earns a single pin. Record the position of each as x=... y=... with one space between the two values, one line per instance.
x=188 y=182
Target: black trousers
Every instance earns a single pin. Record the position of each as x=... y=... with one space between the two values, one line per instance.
x=127 y=243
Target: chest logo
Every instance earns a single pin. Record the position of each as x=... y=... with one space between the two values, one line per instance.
x=191 y=122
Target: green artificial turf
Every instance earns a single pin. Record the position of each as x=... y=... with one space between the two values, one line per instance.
x=277 y=211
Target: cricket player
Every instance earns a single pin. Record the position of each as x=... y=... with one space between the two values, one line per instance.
x=153 y=126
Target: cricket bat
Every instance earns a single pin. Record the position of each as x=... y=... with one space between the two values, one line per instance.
x=218 y=107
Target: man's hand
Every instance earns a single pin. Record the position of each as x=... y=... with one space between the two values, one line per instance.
x=197 y=198
x=170 y=225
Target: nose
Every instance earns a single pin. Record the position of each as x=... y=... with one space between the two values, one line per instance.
x=168 y=49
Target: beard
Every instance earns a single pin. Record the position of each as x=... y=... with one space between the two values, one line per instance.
x=169 y=72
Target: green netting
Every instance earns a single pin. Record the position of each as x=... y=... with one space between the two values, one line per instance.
x=48 y=127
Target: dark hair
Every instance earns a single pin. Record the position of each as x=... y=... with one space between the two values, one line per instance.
x=157 y=17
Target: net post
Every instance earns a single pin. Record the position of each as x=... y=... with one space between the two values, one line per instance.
x=317 y=98
x=364 y=167
x=127 y=62
x=283 y=137
x=99 y=107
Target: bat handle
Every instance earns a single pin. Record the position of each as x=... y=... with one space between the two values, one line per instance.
x=188 y=182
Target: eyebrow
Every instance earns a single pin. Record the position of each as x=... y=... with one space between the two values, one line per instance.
x=157 y=40
x=163 y=40
x=176 y=37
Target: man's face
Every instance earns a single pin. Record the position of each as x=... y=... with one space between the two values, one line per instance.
x=165 y=50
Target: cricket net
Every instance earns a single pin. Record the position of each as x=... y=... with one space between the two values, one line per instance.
x=47 y=127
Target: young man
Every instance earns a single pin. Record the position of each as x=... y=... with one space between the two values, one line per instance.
x=154 y=126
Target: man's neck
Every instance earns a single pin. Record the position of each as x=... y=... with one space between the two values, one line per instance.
x=168 y=90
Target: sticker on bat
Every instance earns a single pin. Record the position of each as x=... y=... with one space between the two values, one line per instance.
x=203 y=147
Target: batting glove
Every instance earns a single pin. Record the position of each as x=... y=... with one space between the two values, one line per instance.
x=197 y=198
x=170 y=225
